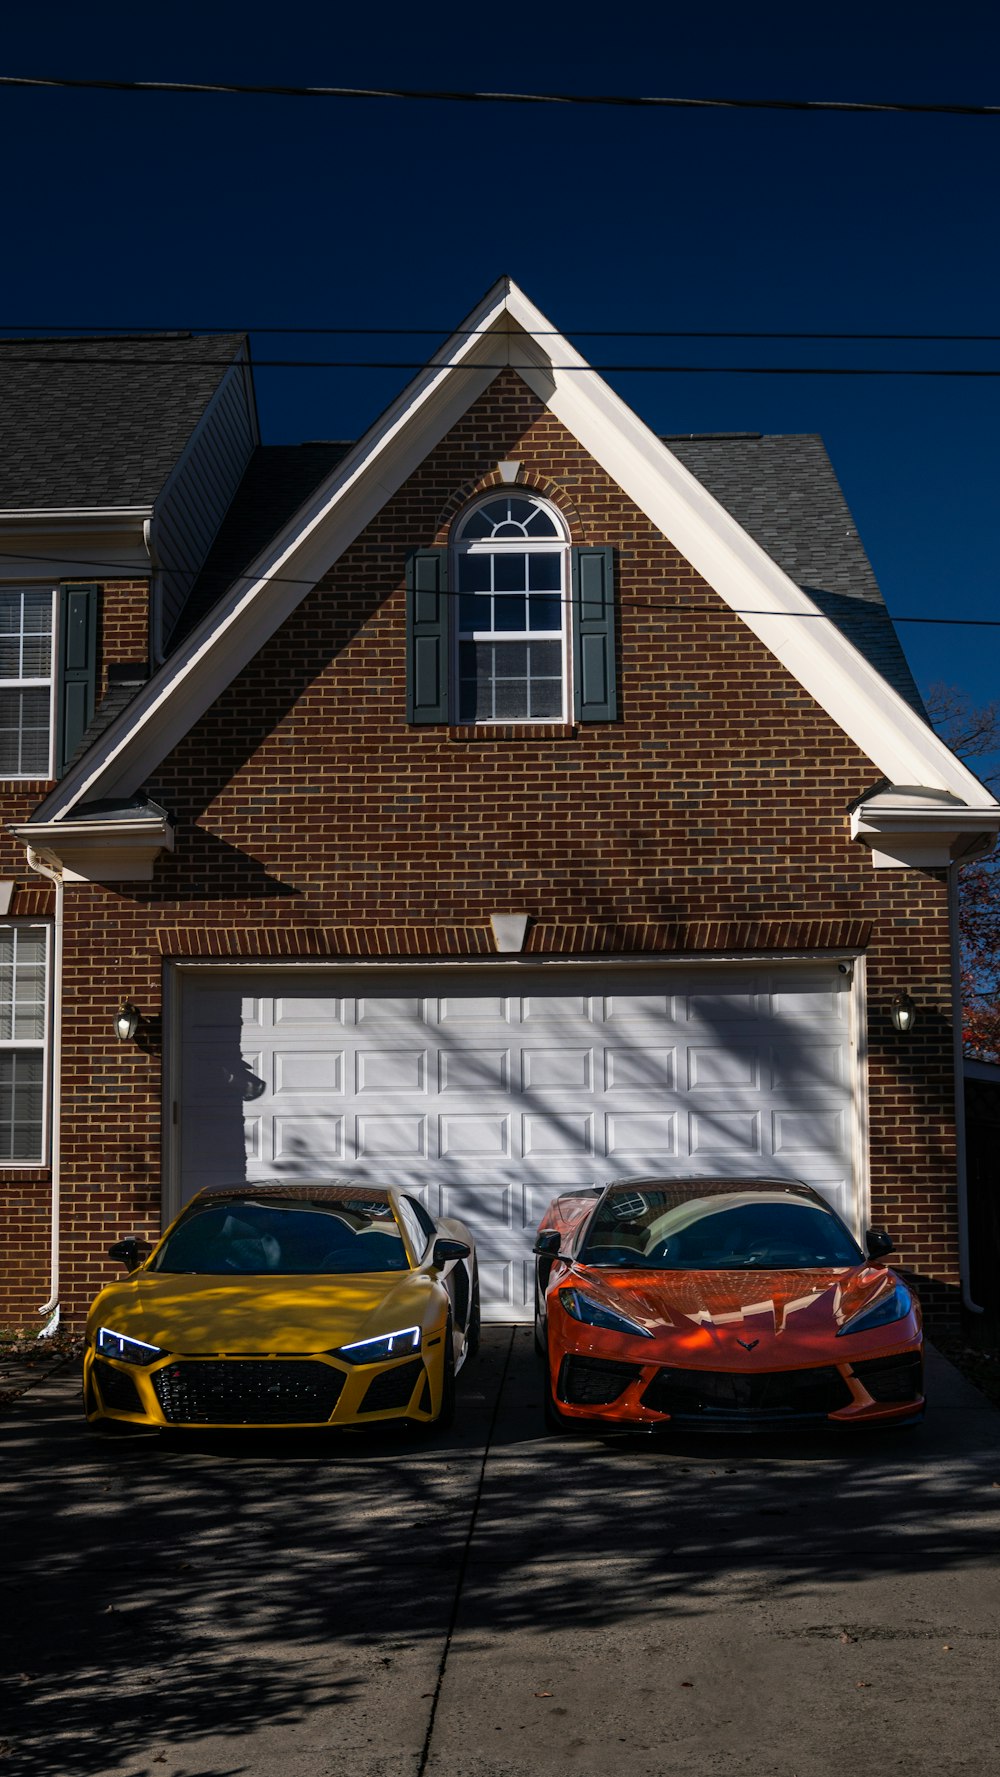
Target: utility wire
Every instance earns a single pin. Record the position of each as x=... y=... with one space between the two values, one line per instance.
x=107 y=335
x=175 y=363
x=627 y=100
x=861 y=607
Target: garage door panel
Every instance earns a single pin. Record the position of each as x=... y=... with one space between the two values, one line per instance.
x=486 y=1092
x=473 y=1070
x=713 y=1065
x=313 y=1143
x=485 y=1137
x=384 y=1071
x=308 y=1070
x=724 y=1134
x=565 y=1069
x=640 y=1139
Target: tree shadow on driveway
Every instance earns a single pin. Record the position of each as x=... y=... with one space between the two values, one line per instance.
x=167 y=1592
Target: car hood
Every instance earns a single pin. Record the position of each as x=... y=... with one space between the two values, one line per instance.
x=184 y=1313
x=756 y=1317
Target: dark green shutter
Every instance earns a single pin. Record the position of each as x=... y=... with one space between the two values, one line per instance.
x=428 y=632
x=595 y=696
x=76 y=680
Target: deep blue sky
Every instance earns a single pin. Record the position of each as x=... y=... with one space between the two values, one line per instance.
x=143 y=211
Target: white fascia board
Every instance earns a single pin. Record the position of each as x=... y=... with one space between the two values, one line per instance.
x=829 y=667
x=39 y=517
x=238 y=626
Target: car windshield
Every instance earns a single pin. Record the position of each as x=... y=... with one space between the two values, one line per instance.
x=251 y=1237
x=669 y=1229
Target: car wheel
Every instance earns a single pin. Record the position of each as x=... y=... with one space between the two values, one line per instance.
x=473 y=1330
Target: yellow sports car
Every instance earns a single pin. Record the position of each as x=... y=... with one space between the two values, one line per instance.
x=287 y=1305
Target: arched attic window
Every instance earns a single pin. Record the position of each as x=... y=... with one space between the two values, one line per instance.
x=511 y=575
x=510 y=623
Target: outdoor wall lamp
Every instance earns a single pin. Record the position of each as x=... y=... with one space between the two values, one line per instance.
x=127 y=1021
x=904 y=1012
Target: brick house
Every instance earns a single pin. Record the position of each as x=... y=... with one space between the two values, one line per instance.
x=520 y=800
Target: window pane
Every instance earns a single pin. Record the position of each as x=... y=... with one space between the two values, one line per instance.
x=510 y=660
x=544 y=613
x=541 y=524
x=474 y=573
x=21 y=1104
x=24 y=733
x=545 y=572
x=511 y=700
x=510 y=572
x=479 y=525
x=474 y=612
x=545 y=700
x=509 y=613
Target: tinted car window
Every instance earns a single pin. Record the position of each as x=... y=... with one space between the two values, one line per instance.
x=244 y=1237
x=726 y=1231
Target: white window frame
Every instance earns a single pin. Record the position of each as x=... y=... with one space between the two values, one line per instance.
x=35 y=1045
x=559 y=544
x=26 y=683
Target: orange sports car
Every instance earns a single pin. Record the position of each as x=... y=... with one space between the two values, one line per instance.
x=733 y=1303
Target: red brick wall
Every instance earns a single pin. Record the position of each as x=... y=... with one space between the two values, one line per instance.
x=313 y=819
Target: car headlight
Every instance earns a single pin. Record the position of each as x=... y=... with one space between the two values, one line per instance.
x=128 y=1351
x=895 y=1305
x=584 y=1308
x=376 y=1351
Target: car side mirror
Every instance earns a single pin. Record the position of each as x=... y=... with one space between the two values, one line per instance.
x=446 y=1250
x=547 y=1244
x=878 y=1243
x=131 y=1252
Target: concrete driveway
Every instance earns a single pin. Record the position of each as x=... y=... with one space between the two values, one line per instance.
x=498 y=1604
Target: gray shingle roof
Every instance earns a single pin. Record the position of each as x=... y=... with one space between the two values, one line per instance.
x=101 y=422
x=784 y=492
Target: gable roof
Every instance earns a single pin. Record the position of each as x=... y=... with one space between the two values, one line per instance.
x=506 y=329
x=99 y=423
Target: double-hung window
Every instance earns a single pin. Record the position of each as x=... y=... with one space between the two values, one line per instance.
x=26 y=626
x=511 y=559
x=23 y=1001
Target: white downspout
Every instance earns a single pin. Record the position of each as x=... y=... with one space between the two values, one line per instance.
x=51 y=1307
x=959 y=1064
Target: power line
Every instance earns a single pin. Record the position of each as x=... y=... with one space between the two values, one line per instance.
x=93 y=330
x=862 y=608
x=626 y=100
x=175 y=363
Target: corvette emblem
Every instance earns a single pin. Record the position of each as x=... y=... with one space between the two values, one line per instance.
x=748 y=1344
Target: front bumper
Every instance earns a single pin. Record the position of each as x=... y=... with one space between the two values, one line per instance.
x=880 y=1388
x=295 y=1391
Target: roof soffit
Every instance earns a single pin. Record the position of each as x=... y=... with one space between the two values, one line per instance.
x=504 y=330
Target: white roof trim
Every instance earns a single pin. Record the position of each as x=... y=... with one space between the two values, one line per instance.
x=503 y=330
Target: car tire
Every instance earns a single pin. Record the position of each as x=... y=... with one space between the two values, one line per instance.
x=473 y=1331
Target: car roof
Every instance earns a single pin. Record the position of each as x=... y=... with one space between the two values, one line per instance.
x=715 y=1187
x=301 y=1191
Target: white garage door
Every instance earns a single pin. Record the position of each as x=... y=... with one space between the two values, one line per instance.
x=486 y=1090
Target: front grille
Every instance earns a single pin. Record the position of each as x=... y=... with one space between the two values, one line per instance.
x=593 y=1381
x=726 y=1394
x=248 y=1391
x=898 y=1378
x=117 y=1390
x=392 y=1388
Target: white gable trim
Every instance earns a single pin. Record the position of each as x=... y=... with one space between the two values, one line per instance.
x=504 y=329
